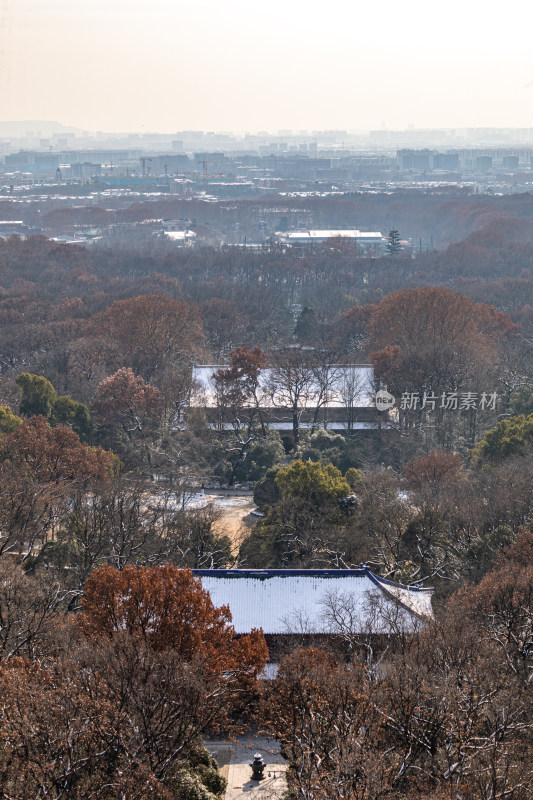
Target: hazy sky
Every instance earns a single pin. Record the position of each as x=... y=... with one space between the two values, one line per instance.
x=244 y=65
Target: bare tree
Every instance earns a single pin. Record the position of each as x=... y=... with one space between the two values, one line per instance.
x=365 y=624
x=291 y=383
x=30 y=609
x=351 y=389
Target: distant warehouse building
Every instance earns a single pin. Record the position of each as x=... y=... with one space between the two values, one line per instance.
x=370 y=242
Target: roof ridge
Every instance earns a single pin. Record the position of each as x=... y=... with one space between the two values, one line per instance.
x=361 y=571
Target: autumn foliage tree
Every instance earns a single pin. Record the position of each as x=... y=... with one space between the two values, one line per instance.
x=351 y=332
x=120 y=712
x=503 y=604
x=167 y=608
x=40 y=467
x=64 y=737
x=238 y=389
x=324 y=714
x=434 y=341
x=434 y=338
x=128 y=412
x=153 y=331
x=433 y=469
x=31 y=609
x=159 y=626
x=446 y=714
x=126 y=400
x=240 y=398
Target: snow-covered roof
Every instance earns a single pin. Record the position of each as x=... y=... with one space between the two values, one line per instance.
x=349 y=386
x=306 y=426
x=301 y=601
x=180 y=236
x=324 y=235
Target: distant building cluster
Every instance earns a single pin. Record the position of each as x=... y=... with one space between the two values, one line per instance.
x=468 y=161
x=335 y=157
x=196 y=170
x=137 y=168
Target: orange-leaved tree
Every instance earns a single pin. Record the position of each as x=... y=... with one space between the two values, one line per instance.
x=65 y=736
x=170 y=658
x=238 y=390
x=122 y=712
x=167 y=609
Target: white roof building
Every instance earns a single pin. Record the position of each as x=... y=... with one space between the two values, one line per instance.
x=347 y=385
x=181 y=237
x=310 y=237
x=302 y=601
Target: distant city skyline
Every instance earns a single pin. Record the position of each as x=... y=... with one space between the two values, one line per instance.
x=126 y=65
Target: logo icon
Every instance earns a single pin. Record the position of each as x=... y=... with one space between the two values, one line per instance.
x=384 y=400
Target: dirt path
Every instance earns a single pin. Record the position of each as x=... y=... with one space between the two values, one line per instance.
x=236 y=520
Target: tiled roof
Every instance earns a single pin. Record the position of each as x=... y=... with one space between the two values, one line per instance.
x=297 y=601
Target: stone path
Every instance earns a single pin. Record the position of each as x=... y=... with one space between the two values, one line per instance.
x=234 y=759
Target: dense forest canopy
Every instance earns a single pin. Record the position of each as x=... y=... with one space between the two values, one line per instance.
x=114 y=664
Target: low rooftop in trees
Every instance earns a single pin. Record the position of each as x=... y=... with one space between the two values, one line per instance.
x=309 y=601
x=346 y=386
x=314 y=237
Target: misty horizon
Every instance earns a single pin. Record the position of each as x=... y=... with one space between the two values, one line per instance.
x=55 y=126
x=118 y=66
